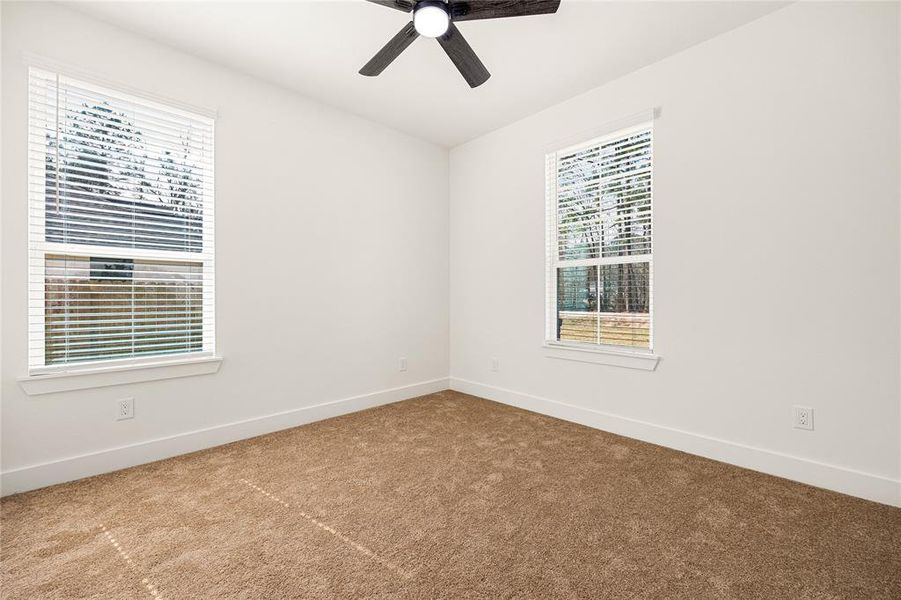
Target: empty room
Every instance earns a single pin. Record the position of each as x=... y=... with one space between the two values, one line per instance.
x=450 y=299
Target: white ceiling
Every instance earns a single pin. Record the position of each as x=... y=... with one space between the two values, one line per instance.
x=317 y=47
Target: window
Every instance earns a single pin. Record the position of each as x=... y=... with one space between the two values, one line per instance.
x=599 y=248
x=120 y=228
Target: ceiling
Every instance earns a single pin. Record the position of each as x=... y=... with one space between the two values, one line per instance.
x=317 y=47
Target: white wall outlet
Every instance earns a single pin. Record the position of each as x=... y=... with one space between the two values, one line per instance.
x=402 y=364
x=495 y=364
x=803 y=417
x=125 y=409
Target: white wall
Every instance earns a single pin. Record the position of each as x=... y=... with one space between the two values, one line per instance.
x=332 y=261
x=776 y=252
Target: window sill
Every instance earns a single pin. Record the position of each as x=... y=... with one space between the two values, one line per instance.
x=643 y=361
x=95 y=377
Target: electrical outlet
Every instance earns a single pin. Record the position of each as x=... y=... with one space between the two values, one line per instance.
x=125 y=409
x=495 y=364
x=402 y=364
x=803 y=417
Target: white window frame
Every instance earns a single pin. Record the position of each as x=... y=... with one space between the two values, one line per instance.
x=610 y=354
x=44 y=378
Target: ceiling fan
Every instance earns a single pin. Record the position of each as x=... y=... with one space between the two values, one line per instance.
x=436 y=18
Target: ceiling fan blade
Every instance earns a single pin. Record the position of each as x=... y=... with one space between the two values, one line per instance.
x=459 y=51
x=470 y=10
x=404 y=5
x=390 y=51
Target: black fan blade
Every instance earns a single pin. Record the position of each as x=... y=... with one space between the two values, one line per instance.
x=470 y=10
x=390 y=51
x=404 y=5
x=469 y=65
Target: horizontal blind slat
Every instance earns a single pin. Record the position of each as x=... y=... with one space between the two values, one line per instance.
x=44 y=103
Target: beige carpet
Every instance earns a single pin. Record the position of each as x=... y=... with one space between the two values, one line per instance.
x=445 y=496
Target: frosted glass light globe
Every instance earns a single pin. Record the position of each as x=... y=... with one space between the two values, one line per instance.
x=430 y=21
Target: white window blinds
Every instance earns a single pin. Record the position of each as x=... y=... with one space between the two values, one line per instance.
x=599 y=242
x=121 y=243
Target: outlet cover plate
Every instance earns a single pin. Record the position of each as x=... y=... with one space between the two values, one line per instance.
x=125 y=409
x=803 y=417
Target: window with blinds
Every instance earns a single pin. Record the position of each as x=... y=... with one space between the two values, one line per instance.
x=599 y=242
x=121 y=244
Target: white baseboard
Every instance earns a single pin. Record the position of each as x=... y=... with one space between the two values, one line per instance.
x=831 y=477
x=104 y=461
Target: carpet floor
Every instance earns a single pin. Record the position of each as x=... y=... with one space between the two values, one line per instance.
x=445 y=496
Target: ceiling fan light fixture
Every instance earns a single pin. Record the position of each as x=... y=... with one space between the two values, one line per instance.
x=437 y=19
x=430 y=19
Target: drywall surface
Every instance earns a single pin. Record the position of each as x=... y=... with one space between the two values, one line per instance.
x=776 y=273
x=332 y=257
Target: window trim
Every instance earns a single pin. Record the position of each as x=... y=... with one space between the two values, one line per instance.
x=602 y=354
x=92 y=375
x=99 y=373
x=611 y=354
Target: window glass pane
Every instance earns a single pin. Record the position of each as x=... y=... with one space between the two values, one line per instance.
x=578 y=207
x=605 y=304
x=624 y=304
x=626 y=216
x=577 y=304
x=604 y=199
x=111 y=182
x=117 y=308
